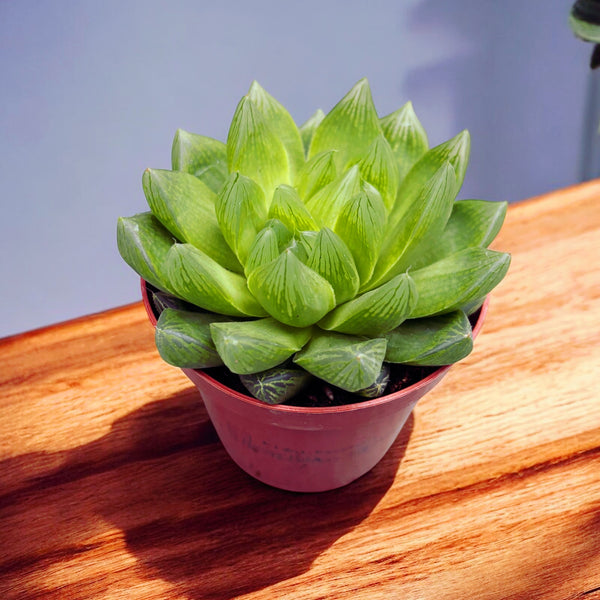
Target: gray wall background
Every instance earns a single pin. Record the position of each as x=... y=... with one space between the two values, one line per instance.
x=92 y=92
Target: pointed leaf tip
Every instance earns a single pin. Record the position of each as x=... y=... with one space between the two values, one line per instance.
x=282 y=124
x=290 y=210
x=348 y=362
x=183 y=339
x=349 y=127
x=291 y=292
x=202 y=156
x=254 y=88
x=197 y=278
x=458 y=279
x=277 y=385
x=432 y=341
x=375 y=312
x=379 y=168
x=318 y=172
x=143 y=244
x=406 y=136
x=241 y=211
x=472 y=223
x=361 y=224
x=254 y=148
x=307 y=129
x=327 y=203
x=253 y=346
x=455 y=151
x=331 y=258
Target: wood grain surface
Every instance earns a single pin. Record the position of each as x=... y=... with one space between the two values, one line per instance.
x=113 y=484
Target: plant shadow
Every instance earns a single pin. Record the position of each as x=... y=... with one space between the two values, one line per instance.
x=187 y=513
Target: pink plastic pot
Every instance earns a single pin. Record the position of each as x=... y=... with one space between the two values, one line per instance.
x=307 y=449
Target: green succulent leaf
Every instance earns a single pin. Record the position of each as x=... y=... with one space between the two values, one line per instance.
x=432 y=341
x=197 y=278
x=331 y=258
x=457 y=280
x=472 y=306
x=350 y=127
x=379 y=167
x=183 y=339
x=455 y=151
x=201 y=156
x=254 y=148
x=254 y=346
x=326 y=204
x=143 y=244
x=318 y=172
x=378 y=387
x=241 y=211
x=277 y=385
x=186 y=207
x=276 y=238
x=406 y=136
x=284 y=235
x=375 y=312
x=282 y=123
x=162 y=300
x=290 y=210
x=307 y=129
x=348 y=362
x=264 y=249
x=423 y=222
x=291 y=292
x=361 y=224
x=300 y=249
x=472 y=223
x=304 y=241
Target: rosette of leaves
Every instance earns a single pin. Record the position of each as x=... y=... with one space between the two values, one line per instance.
x=322 y=251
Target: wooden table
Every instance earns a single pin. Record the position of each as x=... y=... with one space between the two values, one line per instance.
x=113 y=484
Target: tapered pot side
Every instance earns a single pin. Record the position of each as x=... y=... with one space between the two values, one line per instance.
x=307 y=449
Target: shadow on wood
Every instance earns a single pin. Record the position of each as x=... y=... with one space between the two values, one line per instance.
x=187 y=513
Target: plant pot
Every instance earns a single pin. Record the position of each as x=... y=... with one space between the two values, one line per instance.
x=307 y=449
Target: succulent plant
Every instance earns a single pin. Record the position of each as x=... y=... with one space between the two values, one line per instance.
x=322 y=251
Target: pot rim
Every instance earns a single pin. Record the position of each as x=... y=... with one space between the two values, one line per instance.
x=320 y=410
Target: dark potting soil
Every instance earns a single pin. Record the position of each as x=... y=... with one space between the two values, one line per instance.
x=318 y=393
